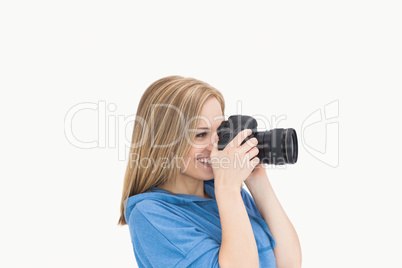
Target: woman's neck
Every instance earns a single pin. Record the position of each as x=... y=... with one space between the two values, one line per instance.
x=188 y=187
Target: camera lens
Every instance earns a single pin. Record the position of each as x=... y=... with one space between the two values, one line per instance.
x=277 y=146
x=290 y=145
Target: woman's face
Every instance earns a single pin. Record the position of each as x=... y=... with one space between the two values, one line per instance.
x=209 y=120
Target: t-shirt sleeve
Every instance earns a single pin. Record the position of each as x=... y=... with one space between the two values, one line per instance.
x=250 y=203
x=253 y=210
x=162 y=237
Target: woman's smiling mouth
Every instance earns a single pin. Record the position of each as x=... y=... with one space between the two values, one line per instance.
x=205 y=161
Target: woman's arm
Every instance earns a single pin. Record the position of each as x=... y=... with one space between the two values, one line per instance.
x=238 y=247
x=287 y=250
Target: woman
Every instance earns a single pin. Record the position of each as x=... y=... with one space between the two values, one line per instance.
x=183 y=198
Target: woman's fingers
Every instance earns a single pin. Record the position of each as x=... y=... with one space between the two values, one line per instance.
x=255 y=161
x=239 y=138
x=228 y=165
x=248 y=145
x=253 y=152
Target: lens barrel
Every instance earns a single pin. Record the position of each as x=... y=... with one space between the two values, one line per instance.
x=277 y=146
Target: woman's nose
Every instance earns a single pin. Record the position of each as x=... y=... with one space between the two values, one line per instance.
x=214 y=139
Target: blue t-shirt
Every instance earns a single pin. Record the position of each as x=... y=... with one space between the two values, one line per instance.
x=178 y=230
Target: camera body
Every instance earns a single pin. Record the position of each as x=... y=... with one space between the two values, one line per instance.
x=277 y=146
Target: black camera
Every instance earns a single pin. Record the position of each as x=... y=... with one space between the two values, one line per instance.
x=277 y=146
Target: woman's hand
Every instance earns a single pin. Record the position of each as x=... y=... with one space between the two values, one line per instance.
x=232 y=165
x=257 y=176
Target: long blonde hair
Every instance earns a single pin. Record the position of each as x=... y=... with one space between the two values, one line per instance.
x=166 y=111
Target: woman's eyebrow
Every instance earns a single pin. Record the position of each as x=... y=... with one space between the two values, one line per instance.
x=203 y=128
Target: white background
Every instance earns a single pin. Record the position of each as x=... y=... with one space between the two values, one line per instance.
x=60 y=202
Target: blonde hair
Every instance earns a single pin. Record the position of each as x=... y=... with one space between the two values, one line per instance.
x=154 y=114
